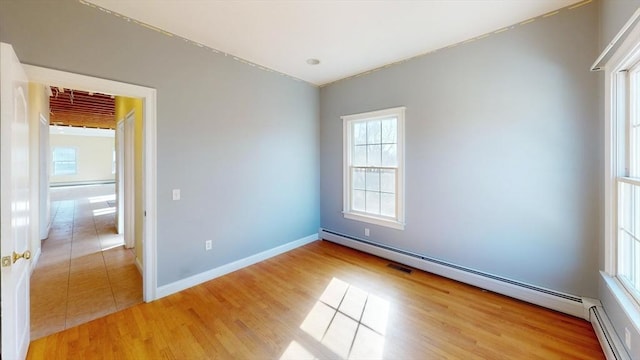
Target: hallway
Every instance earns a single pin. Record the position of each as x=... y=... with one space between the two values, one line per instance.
x=84 y=271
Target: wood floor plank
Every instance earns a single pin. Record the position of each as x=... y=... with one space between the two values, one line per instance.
x=326 y=301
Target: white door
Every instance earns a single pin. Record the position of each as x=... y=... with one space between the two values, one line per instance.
x=14 y=205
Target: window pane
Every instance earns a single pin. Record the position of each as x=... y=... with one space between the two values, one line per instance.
x=388 y=181
x=374 y=155
x=360 y=155
x=373 y=202
x=628 y=234
x=64 y=161
x=626 y=248
x=358 y=179
x=388 y=205
x=635 y=211
x=389 y=131
x=625 y=210
x=359 y=133
x=389 y=155
x=374 y=132
x=64 y=154
x=634 y=149
x=373 y=180
x=358 y=200
x=64 y=168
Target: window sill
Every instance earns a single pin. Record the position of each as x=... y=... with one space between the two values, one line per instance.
x=374 y=220
x=624 y=299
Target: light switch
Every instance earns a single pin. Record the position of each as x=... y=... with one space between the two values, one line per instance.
x=176 y=194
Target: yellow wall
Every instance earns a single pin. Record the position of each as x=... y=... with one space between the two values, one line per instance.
x=124 y=105
x=38 y=104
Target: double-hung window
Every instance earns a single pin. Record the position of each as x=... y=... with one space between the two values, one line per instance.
x=64 y=161
x=628 y=183
x=622 y=180
x=374 y=167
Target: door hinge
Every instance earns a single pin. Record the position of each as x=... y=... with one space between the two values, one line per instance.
x=6 y=261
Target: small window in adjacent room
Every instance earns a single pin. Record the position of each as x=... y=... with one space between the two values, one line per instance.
x=374 y=167
x=64 y=161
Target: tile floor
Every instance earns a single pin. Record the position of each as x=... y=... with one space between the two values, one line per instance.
x=84 y=271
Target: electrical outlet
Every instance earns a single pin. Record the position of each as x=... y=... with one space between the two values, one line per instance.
x=176 y=194
x=366 y=232
x=627 y=338
x=207 y=245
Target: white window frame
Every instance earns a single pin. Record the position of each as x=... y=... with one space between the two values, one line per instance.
x=53 y=162
x=617 y=156
x=399 y=221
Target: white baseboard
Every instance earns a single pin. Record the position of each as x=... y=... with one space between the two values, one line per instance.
x=194 y=280
x=566 y=303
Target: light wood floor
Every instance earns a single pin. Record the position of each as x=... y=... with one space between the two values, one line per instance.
x=324 y=301
x=84 y=272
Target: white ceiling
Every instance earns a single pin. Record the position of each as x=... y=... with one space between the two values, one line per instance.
x=348 y=37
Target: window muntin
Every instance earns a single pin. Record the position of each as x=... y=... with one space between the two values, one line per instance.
x=64 y=161
x=373 y=167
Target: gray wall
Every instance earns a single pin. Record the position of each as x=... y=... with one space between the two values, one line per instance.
x=613 y=15
x=241 y=143
x=503 y=152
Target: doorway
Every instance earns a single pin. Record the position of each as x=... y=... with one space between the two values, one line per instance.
x=17 y=76
x=115 y=263
x=84 y=271
x=149 y=194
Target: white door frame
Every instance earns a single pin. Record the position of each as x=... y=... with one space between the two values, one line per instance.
x=82 y=82
x=43 y=181
x=127 y=186
x=120 y=176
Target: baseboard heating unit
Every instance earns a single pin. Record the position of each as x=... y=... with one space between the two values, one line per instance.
x=566 y=303
x=586 y=308
x=609 y=340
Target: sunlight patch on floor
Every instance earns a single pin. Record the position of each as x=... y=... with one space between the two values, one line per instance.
x=348 y=321
x=295 y=351
x=104 y=211
x=102 y=198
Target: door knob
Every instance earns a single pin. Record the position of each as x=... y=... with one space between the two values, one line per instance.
x=26 y=255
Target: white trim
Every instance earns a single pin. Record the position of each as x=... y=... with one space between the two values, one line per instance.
x=632 y=181
x=194 y=280
x=474 y=277
x=128 y=185
x=374 y=220
x=82 y=82
x=624 y=299
x=606 y=53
